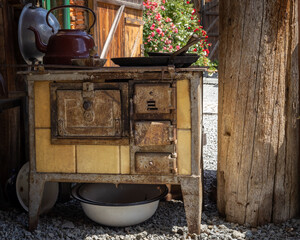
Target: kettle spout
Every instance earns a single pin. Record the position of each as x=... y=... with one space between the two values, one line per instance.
x=42 y=47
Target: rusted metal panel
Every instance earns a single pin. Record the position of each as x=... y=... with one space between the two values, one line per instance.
x=147 y=133
x=85 y=112
x=70 y=74
x=153 y=125
x=109 y=178
x=155 y=163
x=153 y=98
x=91 y=141
x=89 y=116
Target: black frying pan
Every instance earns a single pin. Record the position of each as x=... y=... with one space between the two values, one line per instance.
x=179 y=58
x=164 y=60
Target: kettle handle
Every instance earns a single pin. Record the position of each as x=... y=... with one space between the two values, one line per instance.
x=71 y=6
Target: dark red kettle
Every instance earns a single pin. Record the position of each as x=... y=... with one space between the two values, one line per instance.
x=66 y=44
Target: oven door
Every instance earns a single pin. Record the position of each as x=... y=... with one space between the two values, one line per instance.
x=89 y=111
x=154 y=101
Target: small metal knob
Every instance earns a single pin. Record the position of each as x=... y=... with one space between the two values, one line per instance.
x=87 y=105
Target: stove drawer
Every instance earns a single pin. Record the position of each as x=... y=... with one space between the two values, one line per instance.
x=162 y=163
x=88 y=111
x=153 y=133
x=153 y=98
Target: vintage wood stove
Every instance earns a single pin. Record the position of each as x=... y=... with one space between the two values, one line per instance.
x=117 y=125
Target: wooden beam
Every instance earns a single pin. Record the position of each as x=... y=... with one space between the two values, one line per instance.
x=212 y=53
x=212 y=24
x=134 y=21
x=121 y=2
x=212 y=13
x=213 y=35
x=211 y=5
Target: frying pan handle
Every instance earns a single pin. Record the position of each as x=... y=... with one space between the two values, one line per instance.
x=71 y=6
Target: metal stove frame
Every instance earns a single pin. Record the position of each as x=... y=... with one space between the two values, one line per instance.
x=191 y=185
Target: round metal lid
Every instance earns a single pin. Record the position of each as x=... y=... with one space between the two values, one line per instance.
x=50 y=194
x=35 y=17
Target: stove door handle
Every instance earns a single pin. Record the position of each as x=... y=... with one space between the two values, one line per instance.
x=87 y=104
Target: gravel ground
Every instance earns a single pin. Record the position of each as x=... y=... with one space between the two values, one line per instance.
x=67 y=220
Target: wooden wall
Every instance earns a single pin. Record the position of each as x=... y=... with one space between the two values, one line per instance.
x=210 y=18
x=78 y=15
x=128 y=37
x=11 y=153
x=208 y=12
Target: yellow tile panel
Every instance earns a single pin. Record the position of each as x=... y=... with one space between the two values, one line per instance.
x=125 y=160
x=42 y=104
x=53 y=158
x=184 y=152
x=183 y=104
x=98 y=159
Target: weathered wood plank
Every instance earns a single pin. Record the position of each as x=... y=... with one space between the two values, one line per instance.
x=10 y=148
x=258 y=106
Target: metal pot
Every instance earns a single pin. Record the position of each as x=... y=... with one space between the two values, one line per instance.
x=66 y=44
x=35 y=17
x=121 y=205
x=50 y=194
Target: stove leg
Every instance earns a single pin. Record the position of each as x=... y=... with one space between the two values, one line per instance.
x=191 y=188
x=36 y=189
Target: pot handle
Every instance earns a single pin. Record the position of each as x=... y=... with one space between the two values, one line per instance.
x=71 y=6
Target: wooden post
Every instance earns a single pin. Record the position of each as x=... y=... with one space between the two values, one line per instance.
x=258 y=129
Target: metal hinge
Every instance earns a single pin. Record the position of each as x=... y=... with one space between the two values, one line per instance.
x=172 y=99
x=173 y=164
x=172 y=134
x=87 y=90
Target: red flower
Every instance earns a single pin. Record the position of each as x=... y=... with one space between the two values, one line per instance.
x=195 y=50
x=188 y=2
x=192 y=18
x=207 y=51
x=197 y=29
